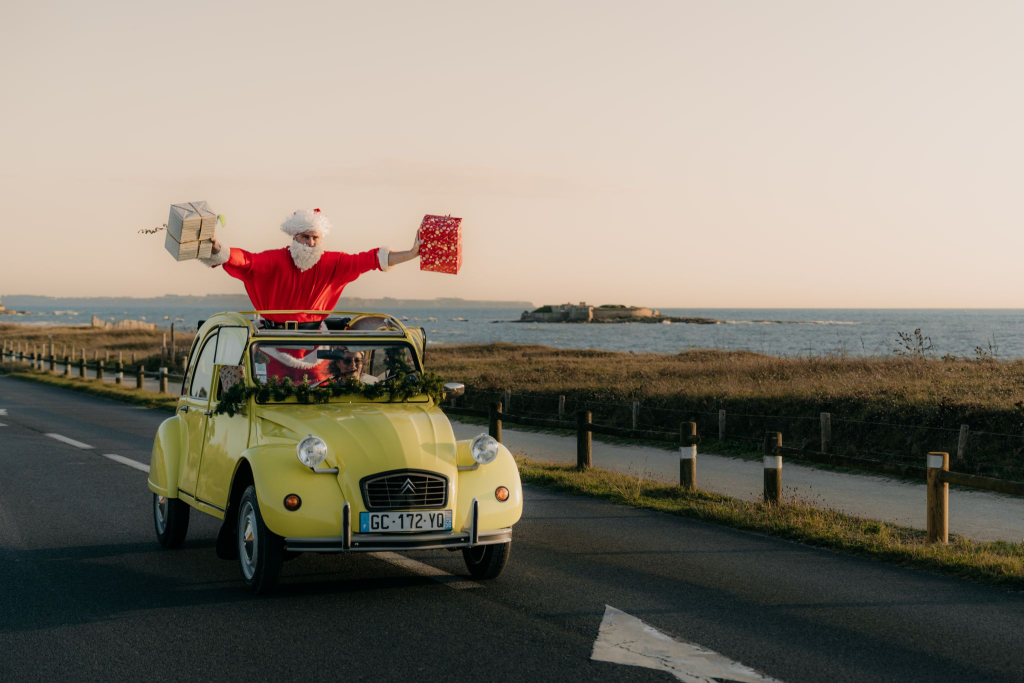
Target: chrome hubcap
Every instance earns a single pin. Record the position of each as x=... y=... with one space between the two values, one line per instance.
x=160 y=512
x=248 y=546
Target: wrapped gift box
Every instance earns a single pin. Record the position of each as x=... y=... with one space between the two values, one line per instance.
x=441 y=244
x=189 y=231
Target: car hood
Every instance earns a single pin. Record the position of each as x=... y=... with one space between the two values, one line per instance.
x=366 y=438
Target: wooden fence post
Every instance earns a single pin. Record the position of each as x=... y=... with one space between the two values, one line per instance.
x=721 y=424
x=173 y=347
x=508 y=399
x=688 y=456
x=119 y=377
x=826 y=432
x=67 y=366
x=636 y=412
x=99 y=369
x=561 y=408
x=53 y=360
x=584 y=452
x=493 y=421
x=140 y=376
x=961 y=444
x=938 y=499
x=163 y=380
x=772 y=468
x=81 y=366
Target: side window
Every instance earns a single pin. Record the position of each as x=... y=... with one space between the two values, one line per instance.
x=190 y=365
x=231 y=345
x=202 y=375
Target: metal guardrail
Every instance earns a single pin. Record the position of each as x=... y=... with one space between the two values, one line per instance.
x=936 y=474
x=100 y=367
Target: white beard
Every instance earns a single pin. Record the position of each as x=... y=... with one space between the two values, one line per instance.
x=305 y=257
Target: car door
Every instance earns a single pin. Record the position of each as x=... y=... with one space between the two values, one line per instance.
x=194 y=408
x=226 y=436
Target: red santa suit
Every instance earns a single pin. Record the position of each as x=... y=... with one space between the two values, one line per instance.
x=274 y=282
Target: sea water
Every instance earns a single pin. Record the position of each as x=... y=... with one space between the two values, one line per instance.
x=781 y=332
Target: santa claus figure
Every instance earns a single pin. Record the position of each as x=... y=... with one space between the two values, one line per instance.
x=301 y=276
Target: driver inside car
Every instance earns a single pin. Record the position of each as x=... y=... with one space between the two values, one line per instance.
x=346 y=364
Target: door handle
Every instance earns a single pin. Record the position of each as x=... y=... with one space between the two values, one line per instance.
x=183 y=409
x=208 y=413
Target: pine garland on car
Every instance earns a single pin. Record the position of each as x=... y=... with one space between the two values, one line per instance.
x=399 y=387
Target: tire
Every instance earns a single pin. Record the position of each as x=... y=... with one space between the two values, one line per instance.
x=487 y=561
x=260 y=551
x=170 y=518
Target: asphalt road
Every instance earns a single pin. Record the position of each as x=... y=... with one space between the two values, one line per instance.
x=87 y=594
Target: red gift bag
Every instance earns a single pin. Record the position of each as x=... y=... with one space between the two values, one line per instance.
x=441 y=244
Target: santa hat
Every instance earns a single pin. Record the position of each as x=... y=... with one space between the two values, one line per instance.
x=306 y=219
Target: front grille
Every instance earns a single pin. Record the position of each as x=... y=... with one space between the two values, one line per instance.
x=405 y=490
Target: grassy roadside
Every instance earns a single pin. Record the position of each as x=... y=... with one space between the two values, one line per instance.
x=94 y=387
x=892 y=408
x=999 y=563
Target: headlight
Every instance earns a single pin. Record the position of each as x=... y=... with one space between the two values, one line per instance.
x=484 y=449
x=311 y=451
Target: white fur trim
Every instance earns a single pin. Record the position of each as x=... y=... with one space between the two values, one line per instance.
x=218 y=259
x=382 y=258
x=306 y=219
x=291 y=361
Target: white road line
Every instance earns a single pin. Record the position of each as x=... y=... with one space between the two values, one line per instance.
x=72 y=442
x=3 y=411
x=127 y=461
x=2 y=424
x=444 y=577
x=624 y=639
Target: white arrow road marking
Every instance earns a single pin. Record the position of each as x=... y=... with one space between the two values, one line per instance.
x=127 y=461
x=72 y=442
x=624 y=639
x=444 y=577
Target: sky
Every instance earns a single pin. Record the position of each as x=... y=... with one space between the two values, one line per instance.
x=676 y=154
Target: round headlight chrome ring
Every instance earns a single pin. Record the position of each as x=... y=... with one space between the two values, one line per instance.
x=311 y=451
x=484 y=449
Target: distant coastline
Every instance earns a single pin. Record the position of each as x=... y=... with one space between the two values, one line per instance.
x=239 y=302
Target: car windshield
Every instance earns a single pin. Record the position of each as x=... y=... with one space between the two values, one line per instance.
x=320 y=364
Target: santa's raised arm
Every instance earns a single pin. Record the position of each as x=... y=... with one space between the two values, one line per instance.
x=303 y=275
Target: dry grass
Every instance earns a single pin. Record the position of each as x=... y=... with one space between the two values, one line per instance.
x=999 y=563
x=929 y=398
x=88 y=337
x=143 y=343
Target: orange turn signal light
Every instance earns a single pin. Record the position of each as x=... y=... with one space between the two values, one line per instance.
x=501 y=493
x=292 y=502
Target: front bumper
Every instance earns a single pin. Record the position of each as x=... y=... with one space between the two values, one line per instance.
x=469 y=537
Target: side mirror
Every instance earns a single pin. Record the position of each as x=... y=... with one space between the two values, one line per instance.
x=453 y=389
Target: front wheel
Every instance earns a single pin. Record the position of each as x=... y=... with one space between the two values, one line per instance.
x=260 y=550
x=487 y=561
x=170 y=517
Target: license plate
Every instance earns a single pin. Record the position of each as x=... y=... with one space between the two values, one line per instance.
x=391 y=522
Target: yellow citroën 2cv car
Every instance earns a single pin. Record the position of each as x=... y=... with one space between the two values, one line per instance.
x=326 y=440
